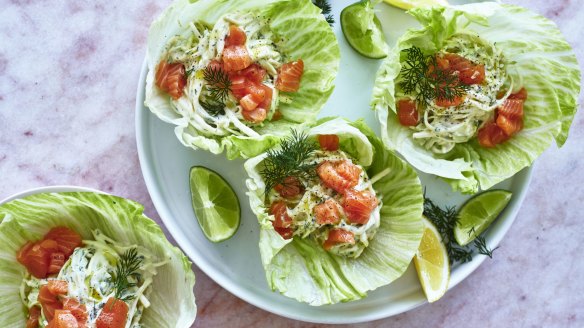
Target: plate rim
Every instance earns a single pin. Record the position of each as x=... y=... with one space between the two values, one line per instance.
x=494 y=236
x=47 y=189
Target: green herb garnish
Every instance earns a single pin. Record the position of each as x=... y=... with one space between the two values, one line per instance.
x=326 y=9
x=481 y=244
x=213 y=108
x=445 y=221
x=420 y=75
x=127 y=266
x=219 y=83
x=291 y=160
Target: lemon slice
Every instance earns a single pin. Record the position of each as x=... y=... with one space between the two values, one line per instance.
x=432 y=264
x=409 y=4
x=215 y=204
x=478 y=213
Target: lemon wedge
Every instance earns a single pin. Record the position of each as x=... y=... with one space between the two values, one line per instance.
x=432 y=264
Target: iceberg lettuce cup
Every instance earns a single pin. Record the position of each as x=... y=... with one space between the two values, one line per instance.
x=339 y=214
x=477 y=93
x=90 y=241
x=234 y=76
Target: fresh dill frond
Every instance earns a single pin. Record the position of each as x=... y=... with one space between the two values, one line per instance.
x=290 y=160
x=445 y=221
x=127 y=266
x=219 y=83
x=213 y=108
x=420 y=75
x=326 y=10
x=481 y=245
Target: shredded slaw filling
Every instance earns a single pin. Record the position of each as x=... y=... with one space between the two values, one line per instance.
x=441 y=128
x=203 y=44
x=89 y=274
x=301 y=209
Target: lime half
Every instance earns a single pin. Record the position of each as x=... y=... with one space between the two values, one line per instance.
x=432 y=265
x=409 y=4
x=478 y=213
x=362 y=29
x=215 y=203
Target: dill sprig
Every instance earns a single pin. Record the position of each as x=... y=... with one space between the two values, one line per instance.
x=481 y=244
x=426 y=83
x=291 y=160
x=213 y=108
x=127 y=266
x=216 y=92
x=326 y=9
x=445 y=221
x=219 y=83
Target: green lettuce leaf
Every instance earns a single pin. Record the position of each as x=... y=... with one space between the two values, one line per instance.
x=305 y=34
x=545 y=63
x=30 y=218
x=302 y=269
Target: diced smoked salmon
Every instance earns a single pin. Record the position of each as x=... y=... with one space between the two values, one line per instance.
x=510 y=126
x=512 y=108
x=254 y=73
x=56 y=262
x=281 y=218
x=328 y=212
x=289 y=76
x=443 y=102
x=79 y=311
x=267 y=102
x=257 y=115
x=58 y=287
x=235 y=58
x=64 y=319
x=521 y=95
x=328 y=142
x=491 y=135
x=49 y=302
x=171 y=78
x=358 y=205
x=67 y=239
x=468 y=72
x=34 y=314
x=339 y=175
x=248 y=103
x=236 y=36
x=407 y=112
x=290 y=187
x=113 y=315
x=37 y=261
x=338 y=236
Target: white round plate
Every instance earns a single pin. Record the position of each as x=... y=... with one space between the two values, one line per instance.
x=235 y=264
x=40 y=190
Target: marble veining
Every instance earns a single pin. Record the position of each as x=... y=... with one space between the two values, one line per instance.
x=68 y=76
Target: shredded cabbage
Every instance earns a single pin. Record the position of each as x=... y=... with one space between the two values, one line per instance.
x=304 y=222
x=197 y=49
x=89 y=273
x=441 y=128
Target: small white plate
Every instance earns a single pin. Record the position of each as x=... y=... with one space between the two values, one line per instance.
x=40 y=190
x=235 y=264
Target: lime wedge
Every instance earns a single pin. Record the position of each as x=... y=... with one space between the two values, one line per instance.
x=215 y=203
x=362 y=29
x=432 y=264
x=409 y=4
x=478 y=213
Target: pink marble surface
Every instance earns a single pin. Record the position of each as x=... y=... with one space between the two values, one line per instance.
x=68 y=75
